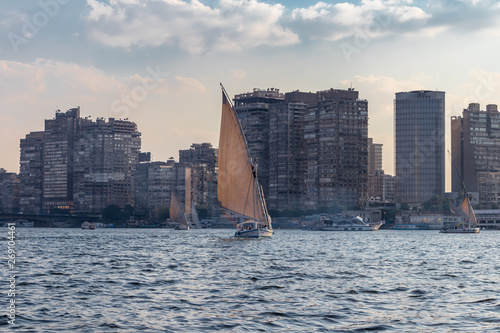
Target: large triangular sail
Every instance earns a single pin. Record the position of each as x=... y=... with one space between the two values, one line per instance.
x=466 y=211
x=238 y=188
x=176 y=211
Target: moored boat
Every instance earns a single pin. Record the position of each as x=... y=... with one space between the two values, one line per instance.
x=88 y=226
x=352 y=224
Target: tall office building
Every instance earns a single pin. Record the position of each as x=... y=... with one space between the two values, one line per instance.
x=58 y=157
x=31 y=172
x=253 y=112
x=420 y=145
x=475 y=149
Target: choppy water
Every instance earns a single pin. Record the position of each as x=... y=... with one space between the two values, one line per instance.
x=161 y=280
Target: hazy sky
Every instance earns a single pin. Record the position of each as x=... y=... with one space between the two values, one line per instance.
x=159 y=62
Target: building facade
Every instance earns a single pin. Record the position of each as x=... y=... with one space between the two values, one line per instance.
x=336 y=141
x=287 y=154
x=420 y=145
x=58 y=154
x=9 y=192
x=475 y=150
x=31 y=172
x=105 y=161
x=374 y=157
x=202 y=160
x=253 y=112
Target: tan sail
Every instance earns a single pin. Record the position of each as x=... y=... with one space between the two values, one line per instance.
x=237 y=189
x=176 y=212
x=467 y=211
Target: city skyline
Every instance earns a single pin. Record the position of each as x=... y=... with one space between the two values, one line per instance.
x=159 y=63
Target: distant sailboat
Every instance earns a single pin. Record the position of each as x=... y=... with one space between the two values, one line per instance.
x=238 y=188
x=465 y=210
x=470 y=226
x=194 y=217
x=177 y=213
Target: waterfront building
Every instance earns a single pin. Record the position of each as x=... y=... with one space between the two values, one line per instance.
x=252 y=109
x=475 y=149
x=154 y=183
x=105 y=160
x=9 y=192
x=31 y=172
x=287 y=154
x=58 y=154
x=420 y=145
x=202 y=160
x=79 y=165
x=336 y=141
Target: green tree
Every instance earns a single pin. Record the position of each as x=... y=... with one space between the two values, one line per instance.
x=437 y=203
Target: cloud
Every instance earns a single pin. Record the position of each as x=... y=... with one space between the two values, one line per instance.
x=192 y=26
x=377 y=18
x=337 y=21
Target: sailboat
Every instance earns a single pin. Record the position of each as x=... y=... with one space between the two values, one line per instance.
x=239 y=191
x=465 y=210
x=470 y=224
x=177 y=213
x=194 y=217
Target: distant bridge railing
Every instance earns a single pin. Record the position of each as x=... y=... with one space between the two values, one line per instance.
x=49 y=217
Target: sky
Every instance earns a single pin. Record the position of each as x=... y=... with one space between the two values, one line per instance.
x=159 y=62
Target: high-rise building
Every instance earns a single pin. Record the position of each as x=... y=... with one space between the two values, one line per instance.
x=202 y=160
x=105 y=160
x=31 y=172
x=58 y=157
x=9 y=192
x=420 y=145
x=253 y=112
x=374 y=157
x=79 y=165
x=475 y=150
x=287 y=154
x=154 y=184
x=336 y=140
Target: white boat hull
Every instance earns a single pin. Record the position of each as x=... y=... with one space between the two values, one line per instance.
x=254 y=233
x=351 y=228
x=461 y=231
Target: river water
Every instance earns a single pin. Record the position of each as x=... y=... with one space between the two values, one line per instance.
x=161 y=280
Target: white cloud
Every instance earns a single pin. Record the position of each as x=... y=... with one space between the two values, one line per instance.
x=192 y=26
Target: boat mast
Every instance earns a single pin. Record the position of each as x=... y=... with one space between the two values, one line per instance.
x=469 y=205
x=250 y=159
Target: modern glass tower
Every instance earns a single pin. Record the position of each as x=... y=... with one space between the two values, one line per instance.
x=420 y=145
